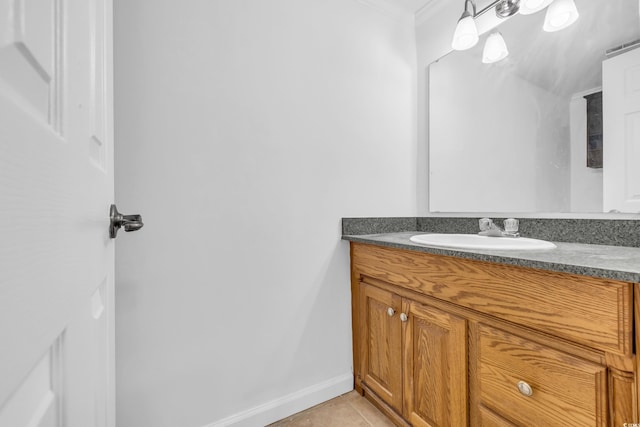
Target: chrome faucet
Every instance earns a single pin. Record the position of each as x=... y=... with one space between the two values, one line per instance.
x=489 y=228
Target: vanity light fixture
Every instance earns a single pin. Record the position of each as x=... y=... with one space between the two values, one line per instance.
x=507 y=8
x=560 y=14
x=466 y=34
x=528 y=7
x=495 y=49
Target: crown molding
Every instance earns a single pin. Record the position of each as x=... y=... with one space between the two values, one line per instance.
x=427 y=11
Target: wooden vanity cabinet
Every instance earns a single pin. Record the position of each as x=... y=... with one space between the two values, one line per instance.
x=413 y=357
x=443 y=341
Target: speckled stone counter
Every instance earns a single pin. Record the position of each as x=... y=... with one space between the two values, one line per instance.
x=605 y=261
x=618 y=232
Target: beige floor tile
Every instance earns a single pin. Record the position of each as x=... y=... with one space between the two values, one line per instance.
x=348 y=410
x=369 y=412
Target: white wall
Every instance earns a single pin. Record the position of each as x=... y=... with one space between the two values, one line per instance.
x=245 y=130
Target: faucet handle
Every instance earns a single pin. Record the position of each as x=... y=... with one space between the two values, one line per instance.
x=511 y=225
x=485 y=224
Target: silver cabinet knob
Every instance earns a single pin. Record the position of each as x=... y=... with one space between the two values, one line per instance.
x=525 y=389
x=391 y=311
x=404 y=317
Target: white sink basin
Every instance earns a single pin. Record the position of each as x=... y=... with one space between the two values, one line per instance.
x=475 y=241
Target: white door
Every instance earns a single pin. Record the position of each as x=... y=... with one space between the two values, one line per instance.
x=621 y=132
x=56 y=185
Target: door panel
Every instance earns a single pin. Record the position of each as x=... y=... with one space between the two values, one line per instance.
x=435 y=361
x=30 y=54
x=56 y=258
x=37 y=402
x=100 y=102
x=621 y=130
x=381 y=344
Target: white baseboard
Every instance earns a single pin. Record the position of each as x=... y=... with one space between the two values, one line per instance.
x=270 y=412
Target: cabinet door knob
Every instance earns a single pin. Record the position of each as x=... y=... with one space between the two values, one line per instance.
x=404 y=317
x=525 y=388
x=391 y=311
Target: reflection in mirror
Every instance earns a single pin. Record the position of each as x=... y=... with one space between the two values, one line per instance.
x=512 y=136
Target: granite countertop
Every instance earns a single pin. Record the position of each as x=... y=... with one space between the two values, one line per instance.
x=609 y=262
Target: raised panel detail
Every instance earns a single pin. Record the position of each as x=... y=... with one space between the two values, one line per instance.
x=38 y=401
x=621 y=128
x=621 y=386
x=382 y=340
x=30 y=55
x=632 y=154
x=565 y=390
x=34 y=22
x=100 y=342
x=435 y=367
x=98 y=139
x=632 y=81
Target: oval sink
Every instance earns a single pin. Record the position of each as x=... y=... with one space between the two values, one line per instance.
x=475 y=241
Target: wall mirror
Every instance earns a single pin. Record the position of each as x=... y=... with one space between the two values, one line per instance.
x=512 y=136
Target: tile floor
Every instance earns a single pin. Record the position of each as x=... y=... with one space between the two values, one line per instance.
x=348 y=410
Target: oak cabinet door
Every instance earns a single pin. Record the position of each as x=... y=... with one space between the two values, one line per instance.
x=435 y=367
x=381 y=344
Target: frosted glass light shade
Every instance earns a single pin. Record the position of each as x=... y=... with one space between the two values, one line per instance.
x=560 y=14
x=466 y=35
x=495 y=49
x=528 y=7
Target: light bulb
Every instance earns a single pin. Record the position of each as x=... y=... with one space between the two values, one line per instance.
x=466 y=35
x=560 y=14
x=495 y=49
x=527 y=7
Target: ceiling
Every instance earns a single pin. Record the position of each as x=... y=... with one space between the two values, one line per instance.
x=410 y=5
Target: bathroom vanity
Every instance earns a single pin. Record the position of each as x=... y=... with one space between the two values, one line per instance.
x=481 y=338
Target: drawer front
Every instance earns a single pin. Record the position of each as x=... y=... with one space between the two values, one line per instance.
x=590 y=311
x=565 y=390
x=490 y=419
